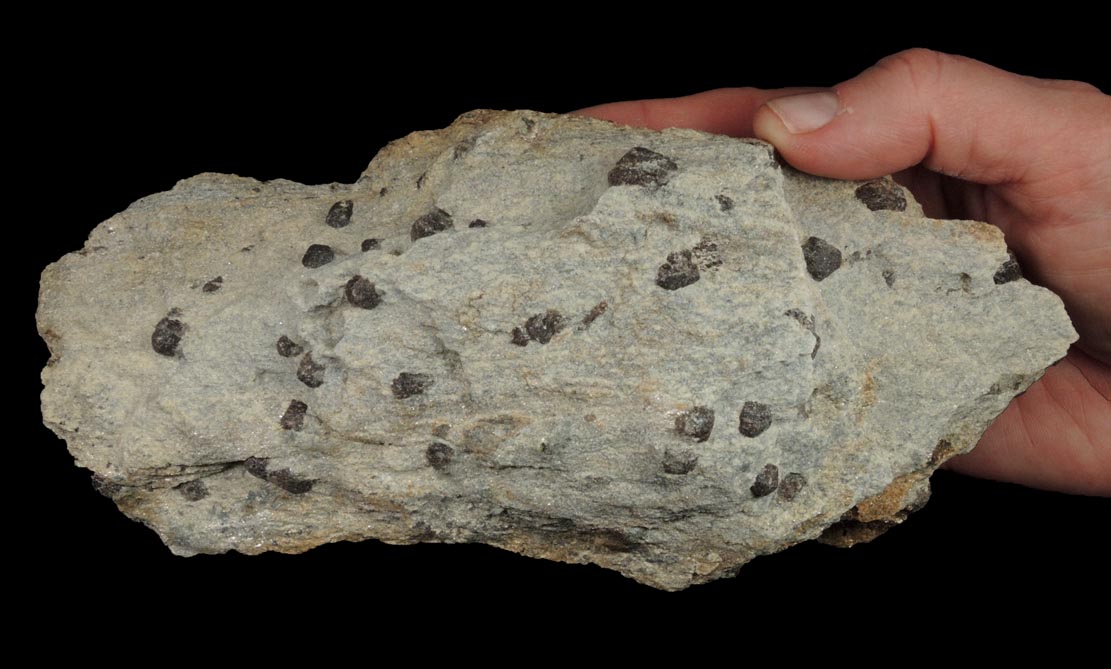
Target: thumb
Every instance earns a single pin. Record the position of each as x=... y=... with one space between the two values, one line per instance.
x=1040 y=146
x=957 y=116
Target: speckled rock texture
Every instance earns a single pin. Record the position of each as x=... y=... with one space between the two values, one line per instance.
x=663 y=353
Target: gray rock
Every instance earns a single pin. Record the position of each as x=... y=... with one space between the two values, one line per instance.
x=663 y=353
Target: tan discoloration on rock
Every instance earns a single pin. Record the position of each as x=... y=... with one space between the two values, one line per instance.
x=893 y=500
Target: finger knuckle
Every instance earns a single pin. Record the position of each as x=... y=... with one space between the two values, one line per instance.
x=923 y=68
x=1071 y=86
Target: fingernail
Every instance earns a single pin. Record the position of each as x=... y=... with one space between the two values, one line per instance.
x=806 y=112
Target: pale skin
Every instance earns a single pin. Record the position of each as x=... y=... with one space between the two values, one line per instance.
x=1031 y=156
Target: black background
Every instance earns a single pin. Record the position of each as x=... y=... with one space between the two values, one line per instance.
x=135 y=112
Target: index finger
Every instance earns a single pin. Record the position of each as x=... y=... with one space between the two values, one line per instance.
x=726 y=111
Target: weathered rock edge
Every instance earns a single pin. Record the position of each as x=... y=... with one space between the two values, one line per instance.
x=663 y=353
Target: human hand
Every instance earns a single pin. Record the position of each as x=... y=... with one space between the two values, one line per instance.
x=1031 y=156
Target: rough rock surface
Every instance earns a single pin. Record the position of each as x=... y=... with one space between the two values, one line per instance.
x=663 y=353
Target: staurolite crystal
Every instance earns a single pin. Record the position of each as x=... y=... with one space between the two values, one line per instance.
x=663 y=353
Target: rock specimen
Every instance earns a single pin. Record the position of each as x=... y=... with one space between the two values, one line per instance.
x=663 y=353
